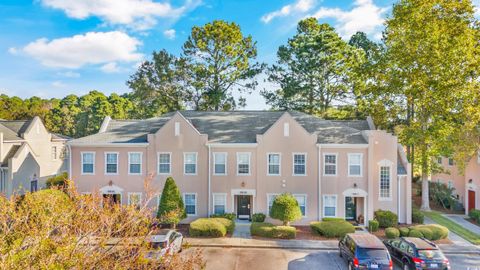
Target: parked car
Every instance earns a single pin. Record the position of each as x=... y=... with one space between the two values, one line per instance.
x=163 y=242
x=364 y=251
x=417 y=253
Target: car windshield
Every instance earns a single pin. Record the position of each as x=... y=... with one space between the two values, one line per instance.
x=158 y=245
x=369 y=253
x=430 y=254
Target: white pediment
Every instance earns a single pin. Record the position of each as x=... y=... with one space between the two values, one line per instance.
x=385 y=162
x=355 y=192
x=111 y=189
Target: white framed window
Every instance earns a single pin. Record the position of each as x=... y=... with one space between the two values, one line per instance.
x=88 y=162
x=219 y=203
x=330 y=164
x=355 y=164
x=270 y=198
x=54 y=153
x=273 y=163
x=243 y=163
x=135 y=162
x=135 y=198
x=286 y=129
x=220 y=163
x=190 y=163
x=190 y=200
x=111 y=163
x=450 y=162
x=302 y=202
x=177 y=128
x=329 y=205
x=164 y=163
x=385 y=183
x=299 y=164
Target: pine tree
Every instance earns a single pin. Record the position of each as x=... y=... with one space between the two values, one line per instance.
x=171 y=209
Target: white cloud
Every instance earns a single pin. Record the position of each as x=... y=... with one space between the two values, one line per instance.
x=476 y=4
x=170 y=33
x=138 y=14
x=111 y=67
x=58 y=84
x=365 y=16
x=90 y=48
x=13 y=50
x=69 y=74
x=299 y=6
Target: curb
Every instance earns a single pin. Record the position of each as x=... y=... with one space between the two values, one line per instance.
x=264 y=247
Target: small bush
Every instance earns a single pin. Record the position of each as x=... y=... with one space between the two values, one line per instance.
x=229 y=224
x=209 y=227
x=333 y=219
x=331 y=229
x=57 y=181
x=427 y=233
x=417 y=216
x=474 y=214
x=285 y=208
x=404 y=231
x=438 y=231
x=271 y=231
x=386 y=218
x=373 y=226
x=392 y=233
x=415 y=233
x=258 y=217
x=230 y=216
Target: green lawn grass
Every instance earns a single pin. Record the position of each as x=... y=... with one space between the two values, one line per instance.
x=454 y=227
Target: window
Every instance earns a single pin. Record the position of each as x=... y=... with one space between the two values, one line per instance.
x=302 y=202
x=330 y=167
x=164 y=163
x=273 y=164
x=190 y=200
x=111 y=161
x=299 y=164
x=177 y=128
x=134 y=163
x=329 y=205
x=450 y=162
x=220 y=163
x=243 y=163
x=219 y=203
x=439 y=160
x=135 y=198
x=88 y=163
x=190 y=163
x=385 y=182
x=33 y=185
x=286 y=129
x=354 y=164
x=270 y=199
x=54 y=152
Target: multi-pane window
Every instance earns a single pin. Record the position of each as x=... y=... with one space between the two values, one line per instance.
x=354 y=164
x=329 y=205
x=243 y=163
x=111 y=161
x=54 y=152
x=384 y=182
x=134 y=163
x=219 y=203
x=135 y=198
x=270 y=199
x=299 y=164
x=330 y=166
x=302 y=202
x=88 y=163
x=220 y=163
x=190 y=200
x=190 y=163
x=273 y=164
x=450 y=162
x=164 y=163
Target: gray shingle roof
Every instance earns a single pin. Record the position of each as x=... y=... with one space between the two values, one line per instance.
x=230 y=127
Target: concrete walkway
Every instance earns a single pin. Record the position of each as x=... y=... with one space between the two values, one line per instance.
x=242 y=229
x=257 y=243
x=460 y=220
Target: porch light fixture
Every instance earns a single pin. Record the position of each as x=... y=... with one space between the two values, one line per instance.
x=354 y=185
x=110 y=183
x=242 y=184
x=470 y=181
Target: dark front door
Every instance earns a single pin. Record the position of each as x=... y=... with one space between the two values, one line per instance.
x=471 y=200
x=111 y=199
x=243 y=207
x=350 y=208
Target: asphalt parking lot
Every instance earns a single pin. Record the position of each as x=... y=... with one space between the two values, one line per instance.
x=278 y=259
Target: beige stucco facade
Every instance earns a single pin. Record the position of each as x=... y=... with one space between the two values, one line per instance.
x=285 y=139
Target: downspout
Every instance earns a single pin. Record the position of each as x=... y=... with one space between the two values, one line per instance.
x=69 y=161
x=319 y=195
x=209 y=181
x=398 y=198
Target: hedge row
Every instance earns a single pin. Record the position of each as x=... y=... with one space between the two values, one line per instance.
x=332 y=228
x=269 y=230
x=475 y=215
x=211 y=227
x=230 y=216
x=386 y=218
x=430 y=232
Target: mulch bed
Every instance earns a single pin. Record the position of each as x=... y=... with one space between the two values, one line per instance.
x=306 y=233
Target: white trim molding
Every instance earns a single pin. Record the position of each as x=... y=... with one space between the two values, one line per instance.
x=141 y=163
x=184 y=163
x=342 y=145
x=336 y=204
x=93 y=164
x=279 y=164
x=336 y=163
x=249 y=163
x=116 y=164
x=215 y=163
x=349 y=164
x=293 y=163
x=196 y=203
x=233 y=145
x=169 y=163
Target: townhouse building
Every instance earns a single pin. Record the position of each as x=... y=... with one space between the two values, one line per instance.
x=29 y=155
x=239 y=161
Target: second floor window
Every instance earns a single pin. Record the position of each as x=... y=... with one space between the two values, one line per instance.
x=273 y=164
x=243 y=163
x=220 y=166
x=354 y=164
x=299 y=164
x=330 y=166
x=54 y=152
x=134 y=163
x=164 y=163
x=88 y=163
x=450 y=162
x=385 y=182
x=111 y=161
x=190 y=163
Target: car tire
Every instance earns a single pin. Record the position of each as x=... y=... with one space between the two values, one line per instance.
x=405 y=265
x=340 y=254
x=350 y=266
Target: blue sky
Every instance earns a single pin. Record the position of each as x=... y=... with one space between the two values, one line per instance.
x=51 y=48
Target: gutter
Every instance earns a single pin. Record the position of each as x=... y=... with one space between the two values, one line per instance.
x=107 y=144
x=319 y=190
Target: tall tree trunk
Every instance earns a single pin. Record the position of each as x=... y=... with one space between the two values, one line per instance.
x=425 y=197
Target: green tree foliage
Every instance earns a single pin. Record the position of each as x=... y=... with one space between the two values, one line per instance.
x=314 y=69
x=171 y=209
x=430 y=71
x=285 y=208
x=57 y=181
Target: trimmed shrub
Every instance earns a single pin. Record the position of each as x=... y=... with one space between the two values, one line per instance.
x=271 y=231
x=171 y=209
x=230 y=216
x=417 y=216
x=285 y=208
x=415 y=233
x=258 y=217
x=57 y=181
x=331 y=229
x=474 y=214
x=392 y=233
x=373 y=226
x=386 y=218
x=229 y=224
x=208 y=227
x=404 y=231
x=333 y=219
x=438 y=231
x=427 y=233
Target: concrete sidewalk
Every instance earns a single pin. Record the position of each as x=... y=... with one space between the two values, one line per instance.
x=460 y=220
x=256 y=243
